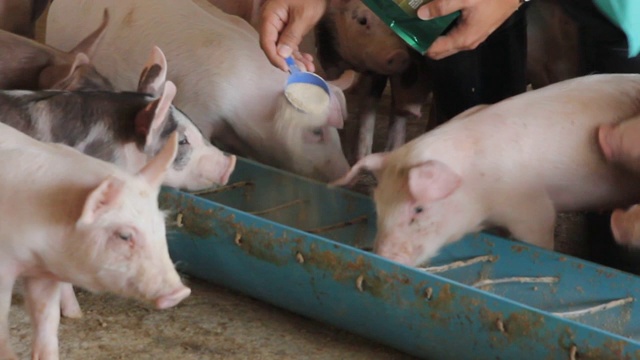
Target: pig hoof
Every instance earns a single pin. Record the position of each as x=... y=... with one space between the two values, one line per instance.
x=71 y=313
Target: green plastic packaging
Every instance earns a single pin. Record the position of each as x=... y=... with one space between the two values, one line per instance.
x=401 y=17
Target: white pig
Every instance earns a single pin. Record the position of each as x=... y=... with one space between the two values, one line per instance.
x=230 y=89
x=67 y=217
x=513 y=164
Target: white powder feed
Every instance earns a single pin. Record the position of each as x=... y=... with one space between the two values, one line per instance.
x=308 y=98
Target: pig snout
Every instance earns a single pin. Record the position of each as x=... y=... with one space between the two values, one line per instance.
x=173 y=298
x=333 y=170
x=217 y=169
x=625 y=226
x=396 y=62
x=394 y=251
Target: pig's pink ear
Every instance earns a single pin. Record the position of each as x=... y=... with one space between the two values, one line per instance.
x=154 y=73
x=374 y=163
x=150 y=120
x=154 y=171
x=101 y=199
x=432 y=181
x=90 y=43
x=346 y=80
x=337 y=108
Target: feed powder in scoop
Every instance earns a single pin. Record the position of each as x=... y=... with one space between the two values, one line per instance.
x=308 y=98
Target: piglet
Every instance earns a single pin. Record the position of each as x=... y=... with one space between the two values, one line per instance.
x=232 y=92
x=514 y=164
x=67 y=217
x=126 y=128
x=29 y=65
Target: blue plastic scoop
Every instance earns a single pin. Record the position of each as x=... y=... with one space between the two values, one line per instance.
x=306 y=91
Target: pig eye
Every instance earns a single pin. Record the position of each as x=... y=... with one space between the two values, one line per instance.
x=124 y=236
x=362 y=21
x=317 y=132
x=183 y=141
x=418 y=209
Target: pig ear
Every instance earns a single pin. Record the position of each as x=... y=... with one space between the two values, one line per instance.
x=150 y=120
x=154 y=73
x=53 y=76
x=374 y=163
x=154 y=171
x=101 y=199
x=346 y=80
x=337 y=108
x=432 y=180
x=90 y=43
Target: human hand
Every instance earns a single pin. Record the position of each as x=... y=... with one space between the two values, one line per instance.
x=282 y=26
x=478 y=19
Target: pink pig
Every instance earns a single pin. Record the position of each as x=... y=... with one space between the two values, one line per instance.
x=514 y=164
x=68 y=217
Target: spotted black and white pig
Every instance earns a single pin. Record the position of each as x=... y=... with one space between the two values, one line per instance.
x=20 y=16
x=29 y=65
x=125 y=128
x=68 y=217
x=229 y=88
x=514 y=164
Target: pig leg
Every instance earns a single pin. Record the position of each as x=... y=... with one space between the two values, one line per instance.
x=369 y=89
x=6 y=289
x=409 y=92
x=69 y=306
x=43 y=303
x=531 y=219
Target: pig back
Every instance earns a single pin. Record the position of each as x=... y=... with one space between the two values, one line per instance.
x=45 y=180
x=217 y=66
x=546 y=138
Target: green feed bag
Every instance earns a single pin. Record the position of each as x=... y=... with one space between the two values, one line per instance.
x=401 y=17
x=626 y=15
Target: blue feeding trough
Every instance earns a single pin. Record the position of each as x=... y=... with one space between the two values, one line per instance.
x=305 y=247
